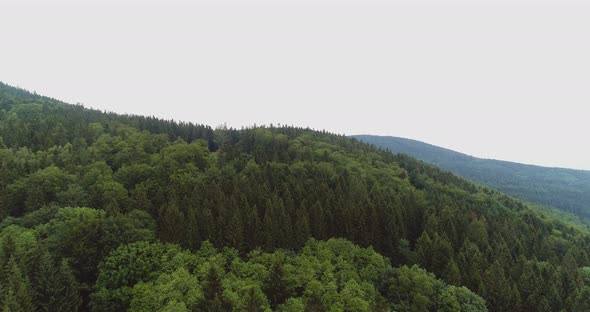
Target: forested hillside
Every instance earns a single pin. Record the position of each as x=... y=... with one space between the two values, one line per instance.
x=104 y=212
x=564 y=189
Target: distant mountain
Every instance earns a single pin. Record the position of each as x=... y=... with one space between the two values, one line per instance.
x=565 y=189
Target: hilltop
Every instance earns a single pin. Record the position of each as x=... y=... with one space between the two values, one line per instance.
x=124 y=212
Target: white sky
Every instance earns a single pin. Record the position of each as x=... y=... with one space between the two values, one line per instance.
x=504 y=79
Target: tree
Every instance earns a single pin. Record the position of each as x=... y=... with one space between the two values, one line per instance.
x=477 y=233
x=441 y=253
x=233 y=231
x=499 y=292
x=175 y=291
x=452 y=273
x=313 y=297
x=127 y=266
x=461 y=299
x=214 y=299
x=269 y=230
x=276 y=286
x=8 y=249
x=45 y=286
x=582 y=300
x=301 y=228
x=18 y=294
x=70 y=300
x=170 y=225
x=253 y=300
x=262 y=188
x=423 y=250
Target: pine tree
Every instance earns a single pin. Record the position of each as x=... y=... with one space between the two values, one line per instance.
x=214 y=300
x=390 y=238
x=318 y=226
x=452 y=273
x=46 y=291
x=213 y=286
x=254 y=300
x=268 y=226
x=441 y=253
x=498 y=289
x=283 y=224
x=570 y=276
x=252 y=235
x=10 y=302
x=423 y=250
x=473 y=264
x=206 y=222
x=171 y=220
x=233 y=232
x=301 y=230
x=8 y=251
x=112 y=207
x=17 y=289
x=70 y=299
x=276 y=286
x=192 y=237
x=55 y=288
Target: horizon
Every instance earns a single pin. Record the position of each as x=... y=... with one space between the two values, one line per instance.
x=314 y=129
x=500 y=80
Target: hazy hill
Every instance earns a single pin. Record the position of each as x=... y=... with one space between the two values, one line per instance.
x=565 y=189
x=106 y=212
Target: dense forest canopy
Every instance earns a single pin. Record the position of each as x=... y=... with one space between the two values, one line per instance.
x=564 y=189
x=107 y=212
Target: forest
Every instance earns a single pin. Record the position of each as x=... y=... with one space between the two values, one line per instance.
x=564 y=189
x=108 y=212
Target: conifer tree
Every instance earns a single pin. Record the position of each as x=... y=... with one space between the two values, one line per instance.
x=17 y=289
x=301 y=229
x=8 y=251
x=252 y=229
x=268 y=227
x=499 y=292
x=45 y=286
x=214 y=300
x=452 y=273
x=423 y=248
x=171 y=219
x=192 y=237
x=70 y=293
x=253 y=300
x=276 y=286
x=233 y=232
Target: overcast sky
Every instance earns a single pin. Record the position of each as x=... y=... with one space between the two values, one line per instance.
x=498 y=79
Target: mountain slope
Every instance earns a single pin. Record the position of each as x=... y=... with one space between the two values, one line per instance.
x=237 y=209
x=565 y=189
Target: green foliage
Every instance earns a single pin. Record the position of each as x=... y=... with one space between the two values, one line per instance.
x=333 y=275
x=253 y=300
x=16 y=290
x=176 y=291
x=264 y=192
x=43 y=242
x=461 y=299
x=214 y=299
x=127 y=266
x=277 y=286
x=565 y=189
x=69 y=296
